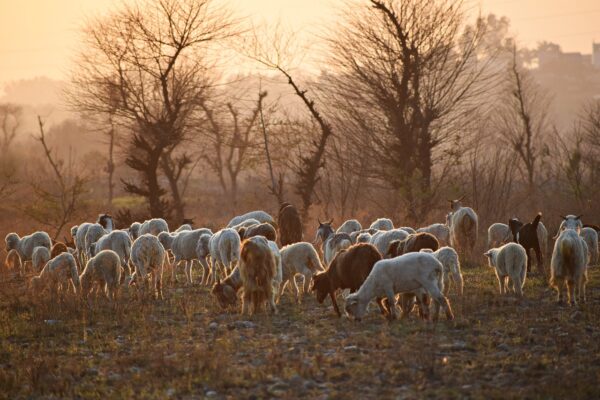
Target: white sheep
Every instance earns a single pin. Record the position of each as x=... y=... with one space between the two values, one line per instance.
x=452 y=272
x=440 y=231
x=542 y=234
x=93 y=234
x=498 y=234
x=154 y=226
x=184 y=227
x=569 y=263
x=381 y=240
x=183 y=246
x=409 y=273
x=119 y=242
x=463 y=223
x=202 y=253
x=134 y=230
x=224 y=247
x=56 y=275
x=591 y=240
x=299 y=259
x=41 y=255
x=349 y=226
x=104 y=271
x=25 y=245
x=509 y=261
x=382 y=224
x=147 y=255
x=80 y=232
x=260 y=216
x=246 y=223
x=363 y=237
x=408 y=229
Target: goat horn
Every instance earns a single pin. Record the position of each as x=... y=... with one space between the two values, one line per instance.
x=319 y=220
x=462 y=197
x=563 y=217
x=579 y=216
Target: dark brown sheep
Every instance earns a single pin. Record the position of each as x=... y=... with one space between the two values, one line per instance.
x=526 y=236
x=290 y=225
x=348 y=270
x=265 y=229
x=412 y=244
x=58 y=248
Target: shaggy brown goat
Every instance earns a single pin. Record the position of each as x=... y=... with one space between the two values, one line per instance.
x=348 y=270
x=412 y=244
x=257 y=268
x=290 y=225
x=265 y=229
x=57 y=248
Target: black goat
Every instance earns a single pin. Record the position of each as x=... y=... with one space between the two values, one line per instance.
x=526 y=235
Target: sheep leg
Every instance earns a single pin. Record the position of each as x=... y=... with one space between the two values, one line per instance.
x=517 y=285
x=271 y=299
x=245 y=302
x=391 y=298
x=296 y=290
x=571 y=292
x=559 y=288
x=439 y=298
x=307 y=279
x=335 y=305
x=407 y=303
x=423 y=302
x=381 y=306
x=188 y=272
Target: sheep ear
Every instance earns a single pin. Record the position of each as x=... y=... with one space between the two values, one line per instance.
x=462 y=197
x=487 y=254
x=330 y=221
x=563 y=217
x=319 y=220
x=579 y=216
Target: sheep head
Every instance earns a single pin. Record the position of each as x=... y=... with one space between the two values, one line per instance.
x=12 y=241
x=321 y=285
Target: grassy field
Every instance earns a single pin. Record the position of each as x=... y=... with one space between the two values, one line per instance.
x=185 y=347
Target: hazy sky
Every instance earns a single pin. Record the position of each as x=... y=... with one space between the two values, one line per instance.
x=38 y=37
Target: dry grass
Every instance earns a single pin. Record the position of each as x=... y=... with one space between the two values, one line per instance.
x=185 y=347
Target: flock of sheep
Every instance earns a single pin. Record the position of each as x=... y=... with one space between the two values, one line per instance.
x=258 y=257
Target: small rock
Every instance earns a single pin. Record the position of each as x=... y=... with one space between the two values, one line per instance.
x=51 y=321
x=244 y=325
x=170 y=392
x=213 y=326
x=211 y=393
x=503 y=347
x=296 y=381
x=351 y=348
x=113 y=377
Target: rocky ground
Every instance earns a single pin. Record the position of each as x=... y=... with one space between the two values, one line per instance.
x=186 y=347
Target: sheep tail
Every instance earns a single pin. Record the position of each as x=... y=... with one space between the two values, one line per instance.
x=536 y=221
x=314 y=263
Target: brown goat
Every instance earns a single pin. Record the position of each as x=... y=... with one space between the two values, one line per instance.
x=412 y=244
x=226 y=290
x=257 y=268
x=265 y=229
x=57 y=248
x=290 y=225
x=348 y=270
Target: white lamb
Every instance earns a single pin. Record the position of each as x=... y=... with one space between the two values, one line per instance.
x=202 y=253
x=183 y=246
x=147 y=255
x=119 y=242
x=382 y=224
x=56 y=275
x=154 y=226
x=260 y=216
x=382 y=240
x=246 y=223
x=509 y=261
x=349 y=226
x=452 y=272
x=542 y=234
x=93 y=234
x=184 y=227
x=591 y=240
x=80 y=232
x=569 y=263
x=224 y=247
x=25 y=245
x=409 y=273
x=103 y=271
x=408 y=229
x=363 y=237
x=40 y=257
x=299 y=259
x=498 y=234
x=440 y=231
x=463 y=223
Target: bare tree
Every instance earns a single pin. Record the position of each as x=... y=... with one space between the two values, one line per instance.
x=276 y=187
x=10 y=123
x=407 y=74
x=155 y=54
x=59 y=193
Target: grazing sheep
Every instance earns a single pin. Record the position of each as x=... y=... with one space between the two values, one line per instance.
x=246 y=223
x=408 y=229
x=382 y=224
x=106 y=220
x=591 y=240
x=348 y=270
x=263 y=229
x=331 y=242
x=257 y=267
x=147 y=255
x=299 y=258
x=57 y=248
x=104 y=271
x=412 y=243
x=569 y=260
x=93 y=234
x=440 y=231
x=183 y=246
x=290 y=225
x=382 y=239
x=410 y=273
x=25 y=245
x=80 y=233
x=154 y=226
x=119 y=242
x=134 y=230
x=509 y=261
x=224 y=250
x=56 y=275
x=12 y=262
x=226 y=290
x=452 y=273
x=527 y=236
x=363 y=237
x=498 y=234
x=463 y=224
x=260 y=216
x=184 y=227
x=202 y=252
x=349 y=227
x=40 y=257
